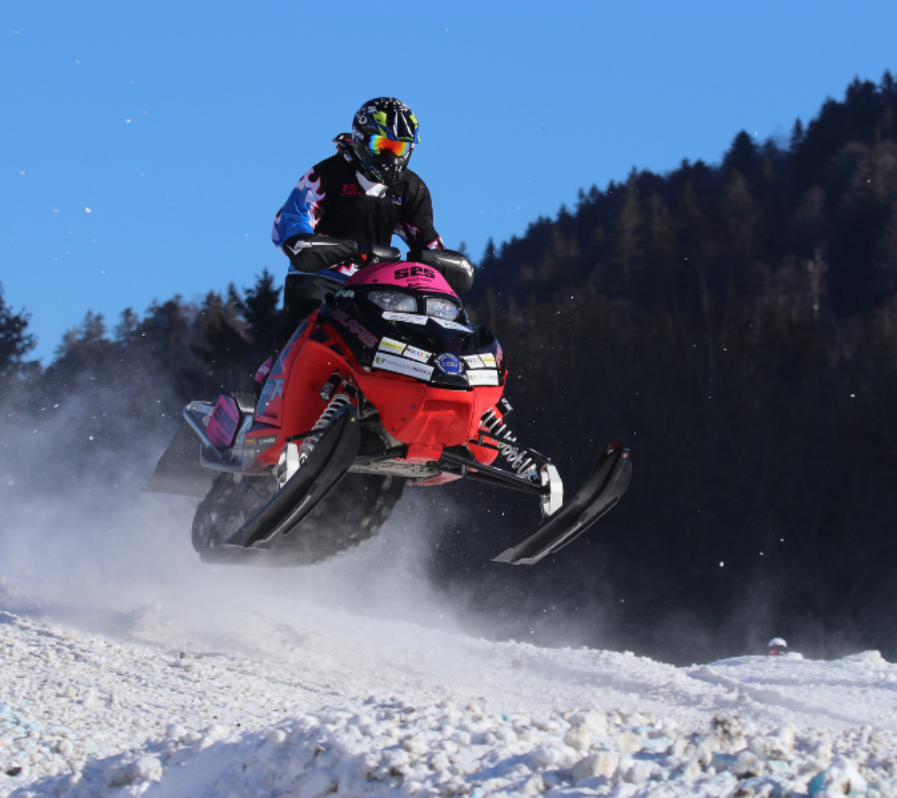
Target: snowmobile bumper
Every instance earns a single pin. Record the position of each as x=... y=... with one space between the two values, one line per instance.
x=602 y=490
x=325 y=467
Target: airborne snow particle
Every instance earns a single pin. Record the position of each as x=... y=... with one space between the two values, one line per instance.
x=87 y=210
x=721 y=564
x=128 y=121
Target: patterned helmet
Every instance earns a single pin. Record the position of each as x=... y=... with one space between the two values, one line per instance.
x=384 y=134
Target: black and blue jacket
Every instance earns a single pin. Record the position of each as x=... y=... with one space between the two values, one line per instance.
x=333 y=200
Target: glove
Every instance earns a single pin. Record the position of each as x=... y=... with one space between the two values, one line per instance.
x=455 y=267
x=311 y=253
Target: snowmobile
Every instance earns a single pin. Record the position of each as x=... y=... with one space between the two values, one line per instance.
x=386 y=383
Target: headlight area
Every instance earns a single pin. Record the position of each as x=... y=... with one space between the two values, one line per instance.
x=393 y=300
x=442 y=308
x=397 y=302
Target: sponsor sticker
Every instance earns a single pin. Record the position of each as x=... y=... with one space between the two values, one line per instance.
x=254 y=446
x=410 y=318
x=417 y=354
x=345 y=292
x=389 y=345
x=402 y=366
x=450 y=325
x=485 y=377
x=488 y=361
x=450 y=364
x=474 y=362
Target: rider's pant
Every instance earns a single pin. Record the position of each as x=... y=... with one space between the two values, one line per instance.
x=303 y=292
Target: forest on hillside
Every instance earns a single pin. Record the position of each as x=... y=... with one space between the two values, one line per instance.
x=735 y=323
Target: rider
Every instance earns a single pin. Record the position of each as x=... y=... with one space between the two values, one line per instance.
x=355 y=199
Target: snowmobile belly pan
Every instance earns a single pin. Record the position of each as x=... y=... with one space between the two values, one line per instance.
x=602 y=490
x=326 y=466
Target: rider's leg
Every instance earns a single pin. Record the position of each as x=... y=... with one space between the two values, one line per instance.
x=303 y=292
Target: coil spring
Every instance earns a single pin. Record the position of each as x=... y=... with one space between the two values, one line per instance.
x=518 y=457
x=341 y=399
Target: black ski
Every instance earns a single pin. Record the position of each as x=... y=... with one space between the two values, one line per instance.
x=326 y=466
x=602 y=490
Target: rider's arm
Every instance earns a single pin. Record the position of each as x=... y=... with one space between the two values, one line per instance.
x=299 y=214
x=416 y=225
x=294 y=229
x=311 y=253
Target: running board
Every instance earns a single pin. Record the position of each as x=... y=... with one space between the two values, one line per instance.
x=322 y=472
x=602 y=490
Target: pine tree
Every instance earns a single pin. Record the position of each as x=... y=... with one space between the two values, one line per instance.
x=15 y=341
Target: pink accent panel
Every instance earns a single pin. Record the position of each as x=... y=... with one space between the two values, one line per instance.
x=404 y=275
x=225 y=420
x=263 y=371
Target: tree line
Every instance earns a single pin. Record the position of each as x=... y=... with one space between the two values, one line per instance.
x=735 y=323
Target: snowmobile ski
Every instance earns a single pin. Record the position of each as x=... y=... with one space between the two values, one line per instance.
x=600 y=493
x=325 y=467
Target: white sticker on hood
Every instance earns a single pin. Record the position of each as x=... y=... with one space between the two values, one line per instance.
x=484 y=377
x=417 y=354
x=411 y=318
x=451 y=325
x=402 y=366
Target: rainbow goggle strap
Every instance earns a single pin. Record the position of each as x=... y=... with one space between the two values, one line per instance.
x=382 y=145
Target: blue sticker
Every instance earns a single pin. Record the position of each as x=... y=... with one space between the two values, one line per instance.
x=450 y=364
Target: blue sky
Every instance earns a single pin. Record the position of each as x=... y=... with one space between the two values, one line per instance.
x=183 y=126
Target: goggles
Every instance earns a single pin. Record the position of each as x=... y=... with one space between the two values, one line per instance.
x=381 y=145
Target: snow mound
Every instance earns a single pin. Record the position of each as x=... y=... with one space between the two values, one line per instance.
x=398 y=747
x=292 y=700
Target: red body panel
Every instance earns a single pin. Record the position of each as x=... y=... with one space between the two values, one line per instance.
x=416 y=413
x=424 y=417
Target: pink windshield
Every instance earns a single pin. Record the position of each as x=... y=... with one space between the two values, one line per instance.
x=405 y=275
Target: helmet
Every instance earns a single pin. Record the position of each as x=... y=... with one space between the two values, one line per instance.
x=384 y=133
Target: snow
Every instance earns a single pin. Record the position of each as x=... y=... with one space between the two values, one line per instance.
x=299 y=700
x=128 y=668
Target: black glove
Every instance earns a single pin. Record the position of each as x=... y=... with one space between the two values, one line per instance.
x=455 y=267
x=311 y=253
